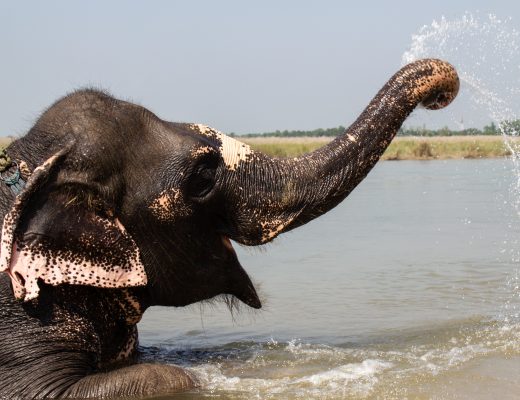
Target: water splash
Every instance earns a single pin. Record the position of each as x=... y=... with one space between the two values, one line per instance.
x=486 y=52
x=382 y=369
x=510 y=312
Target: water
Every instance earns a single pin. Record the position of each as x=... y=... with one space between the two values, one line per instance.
x=407 y=289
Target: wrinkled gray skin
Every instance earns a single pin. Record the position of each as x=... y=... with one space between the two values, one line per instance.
x=120 y=180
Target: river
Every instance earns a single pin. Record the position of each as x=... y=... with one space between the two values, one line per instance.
x=408 y=289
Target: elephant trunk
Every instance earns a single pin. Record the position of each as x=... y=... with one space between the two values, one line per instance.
x=273 y=195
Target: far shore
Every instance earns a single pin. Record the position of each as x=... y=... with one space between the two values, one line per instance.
x=401 y=148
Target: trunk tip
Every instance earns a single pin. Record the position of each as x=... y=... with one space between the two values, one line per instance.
x=434 y=83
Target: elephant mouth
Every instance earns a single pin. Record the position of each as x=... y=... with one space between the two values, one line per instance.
x=240 y=284
x=227 y=244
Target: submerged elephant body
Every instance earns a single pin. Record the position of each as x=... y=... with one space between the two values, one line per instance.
x=122 y=211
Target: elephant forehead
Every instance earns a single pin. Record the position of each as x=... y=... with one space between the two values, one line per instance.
x=233 y=151
x=198 y=151
x=169 y=205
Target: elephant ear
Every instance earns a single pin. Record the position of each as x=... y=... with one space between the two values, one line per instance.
x=62 y=240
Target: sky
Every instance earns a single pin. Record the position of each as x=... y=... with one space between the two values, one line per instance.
x=239 y=66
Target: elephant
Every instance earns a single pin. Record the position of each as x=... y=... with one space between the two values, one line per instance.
x=108 y=210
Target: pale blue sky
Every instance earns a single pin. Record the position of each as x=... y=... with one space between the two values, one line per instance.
x=240 y=66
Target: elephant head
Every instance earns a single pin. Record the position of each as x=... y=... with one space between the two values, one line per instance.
x=119 y=198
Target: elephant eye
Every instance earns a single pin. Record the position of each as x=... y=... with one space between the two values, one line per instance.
x=202 y=178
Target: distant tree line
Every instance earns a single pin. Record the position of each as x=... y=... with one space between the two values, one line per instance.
x=509 y=127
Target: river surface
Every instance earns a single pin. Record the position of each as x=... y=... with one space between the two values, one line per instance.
x=408 y=289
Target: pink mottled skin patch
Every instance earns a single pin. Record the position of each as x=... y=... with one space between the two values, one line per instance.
x=169 y=205
x=30 y=264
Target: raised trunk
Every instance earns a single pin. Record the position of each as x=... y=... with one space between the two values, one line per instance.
x=276 y=195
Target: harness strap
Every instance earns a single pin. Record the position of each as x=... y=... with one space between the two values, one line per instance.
x=10 y=173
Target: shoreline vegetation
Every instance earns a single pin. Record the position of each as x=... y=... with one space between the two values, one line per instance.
x=507 y=127
x=401 y=148
x=411 y=143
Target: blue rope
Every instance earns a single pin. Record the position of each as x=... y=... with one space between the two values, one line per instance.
x=14 y=181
